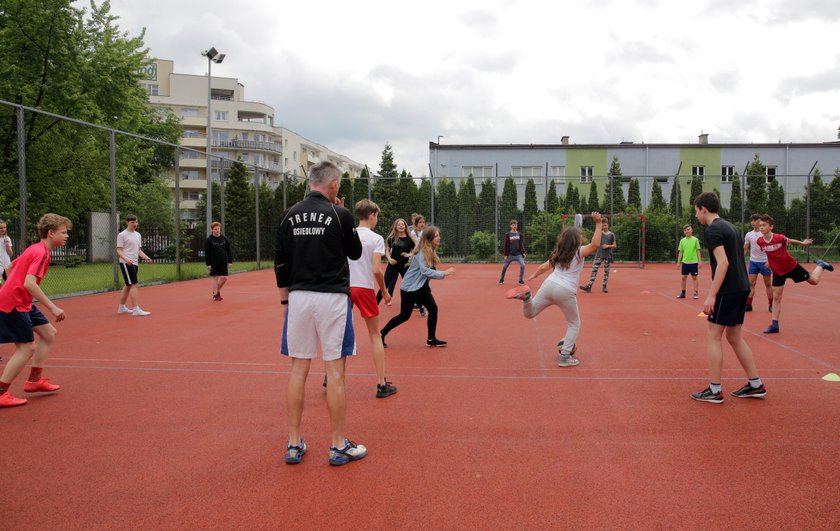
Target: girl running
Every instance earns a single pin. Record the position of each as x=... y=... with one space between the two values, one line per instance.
x=398 y=246
x=560 y=288
x=415 y=286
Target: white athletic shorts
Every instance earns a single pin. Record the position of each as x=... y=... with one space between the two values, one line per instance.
x=314 y=317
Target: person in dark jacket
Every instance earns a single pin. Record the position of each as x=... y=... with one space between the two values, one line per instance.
x=315 y=238
x=218 y=258
x=514 y=251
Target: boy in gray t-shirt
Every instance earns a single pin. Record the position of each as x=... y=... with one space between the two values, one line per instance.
x=602 y=257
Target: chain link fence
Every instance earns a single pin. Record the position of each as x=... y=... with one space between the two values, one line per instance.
x=96 y=175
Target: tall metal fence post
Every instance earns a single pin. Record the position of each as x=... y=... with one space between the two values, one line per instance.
x=21 y=147
x=257 y=211
x=178 y=213
x=496 y=214
x=112 y=155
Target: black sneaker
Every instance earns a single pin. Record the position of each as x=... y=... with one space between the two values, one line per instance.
x=706 y=395
x=423 y=311
x=383 y=391
x=825 y=265
x=681 y=296
x=435 y=343
x=748 y=308
x=587 y=288
x=502 y=281
x=750 y=392
x=605 y=290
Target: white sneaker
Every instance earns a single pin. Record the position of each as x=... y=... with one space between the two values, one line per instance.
x=138 y=311
x=123 y=309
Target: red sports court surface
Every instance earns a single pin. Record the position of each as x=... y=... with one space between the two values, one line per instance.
x=177 y=421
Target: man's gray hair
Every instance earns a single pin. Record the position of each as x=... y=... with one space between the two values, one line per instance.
x=323 y=173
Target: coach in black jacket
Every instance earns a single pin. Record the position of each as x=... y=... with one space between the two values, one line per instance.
x=315 y=238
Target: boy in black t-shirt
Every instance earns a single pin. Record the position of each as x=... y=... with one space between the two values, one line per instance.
x=726 y=302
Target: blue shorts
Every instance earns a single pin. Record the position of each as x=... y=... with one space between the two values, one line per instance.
x=729 y=309
x=758 y=267
x=690 y=269
x=16 y=327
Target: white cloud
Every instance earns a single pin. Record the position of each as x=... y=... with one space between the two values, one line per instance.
x=355 y=75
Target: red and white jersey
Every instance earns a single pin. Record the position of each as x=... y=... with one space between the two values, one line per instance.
x=34 y=261
x=778 y=257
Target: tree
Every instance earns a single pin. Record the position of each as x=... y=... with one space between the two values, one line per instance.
x=508 y=208
x=240 y=212
x=76 y=62
x=466 y=214
x=675 y=203
x=360 y=185
x=487 y=206
x=776 y=206
x=424 y=199
x=821 y=216
x=530 y=208
x=613 y=192
x=736 y=202
x=386 y=185
x=406 y=198
x=593 y=205
x=552 y=203
x=634 y=195
x=696 y=188
x=756 y=187
x=446 y=205
x=657 y=200
x=572 y=200
x=345 y=189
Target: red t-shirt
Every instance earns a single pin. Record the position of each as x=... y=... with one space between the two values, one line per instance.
x=778 y=257
x=35 y=261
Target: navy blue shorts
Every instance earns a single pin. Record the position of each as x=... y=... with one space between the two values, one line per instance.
x=729 y=309
x=16 y=327
x=690 y=269
x=797 y=275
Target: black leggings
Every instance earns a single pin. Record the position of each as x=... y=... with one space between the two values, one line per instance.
x=392 y=272
x=422 y=296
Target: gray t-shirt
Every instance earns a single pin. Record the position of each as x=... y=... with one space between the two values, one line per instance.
x=607 y=238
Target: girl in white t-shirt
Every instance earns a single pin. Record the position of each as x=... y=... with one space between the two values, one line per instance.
x=560 y=288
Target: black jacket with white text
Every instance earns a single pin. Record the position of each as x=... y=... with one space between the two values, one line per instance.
x=314 y=240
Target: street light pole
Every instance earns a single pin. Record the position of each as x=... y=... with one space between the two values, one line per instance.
x=213 y=56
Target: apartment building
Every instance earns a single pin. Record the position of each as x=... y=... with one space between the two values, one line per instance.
x=560 y=165
x=241 y=129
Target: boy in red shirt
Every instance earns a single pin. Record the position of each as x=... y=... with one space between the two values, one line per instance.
x=784 y=266
x=20 y=320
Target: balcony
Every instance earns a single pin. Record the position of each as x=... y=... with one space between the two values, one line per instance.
x=249 y=144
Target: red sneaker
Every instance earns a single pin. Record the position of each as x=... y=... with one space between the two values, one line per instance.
x=41 y=386
x=522 y=293
x=7 y=400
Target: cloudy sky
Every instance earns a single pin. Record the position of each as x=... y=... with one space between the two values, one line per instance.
x=355 y=75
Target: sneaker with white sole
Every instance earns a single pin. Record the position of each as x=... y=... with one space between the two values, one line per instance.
x=349 y=452
x=140 y=312
x=706 y=395
x=749 y=391
x=122 y=309
x=295 y=453
x=567 y=361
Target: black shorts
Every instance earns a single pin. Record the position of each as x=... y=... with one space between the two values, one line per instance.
x=219 y=270
x=690 y=269
x=798 y=274
x=729 y=309
x=129 y=272
x=16 y=327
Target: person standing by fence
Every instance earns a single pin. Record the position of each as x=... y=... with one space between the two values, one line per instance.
x=218 y=258
x=603 y=257
x=129 y=242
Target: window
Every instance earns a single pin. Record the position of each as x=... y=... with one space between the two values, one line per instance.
x=220 y=136
x=190 y=154
x=220 y=116
x=151 y=88
x=191 y=133
x=189 y=112
x=187 y=195
x=244 y=157
x=244 y=136
x=586 y=173
x=294 y=155
x=698 y=172
x=189 y=174
x=521 y=174
x=770 y=173
x=257 y=158
x=477 y=172
x=727 y=174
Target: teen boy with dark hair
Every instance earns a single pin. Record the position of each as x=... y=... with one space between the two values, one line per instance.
x=726 y=301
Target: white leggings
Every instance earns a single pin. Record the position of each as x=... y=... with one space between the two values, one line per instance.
x=563 y=297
